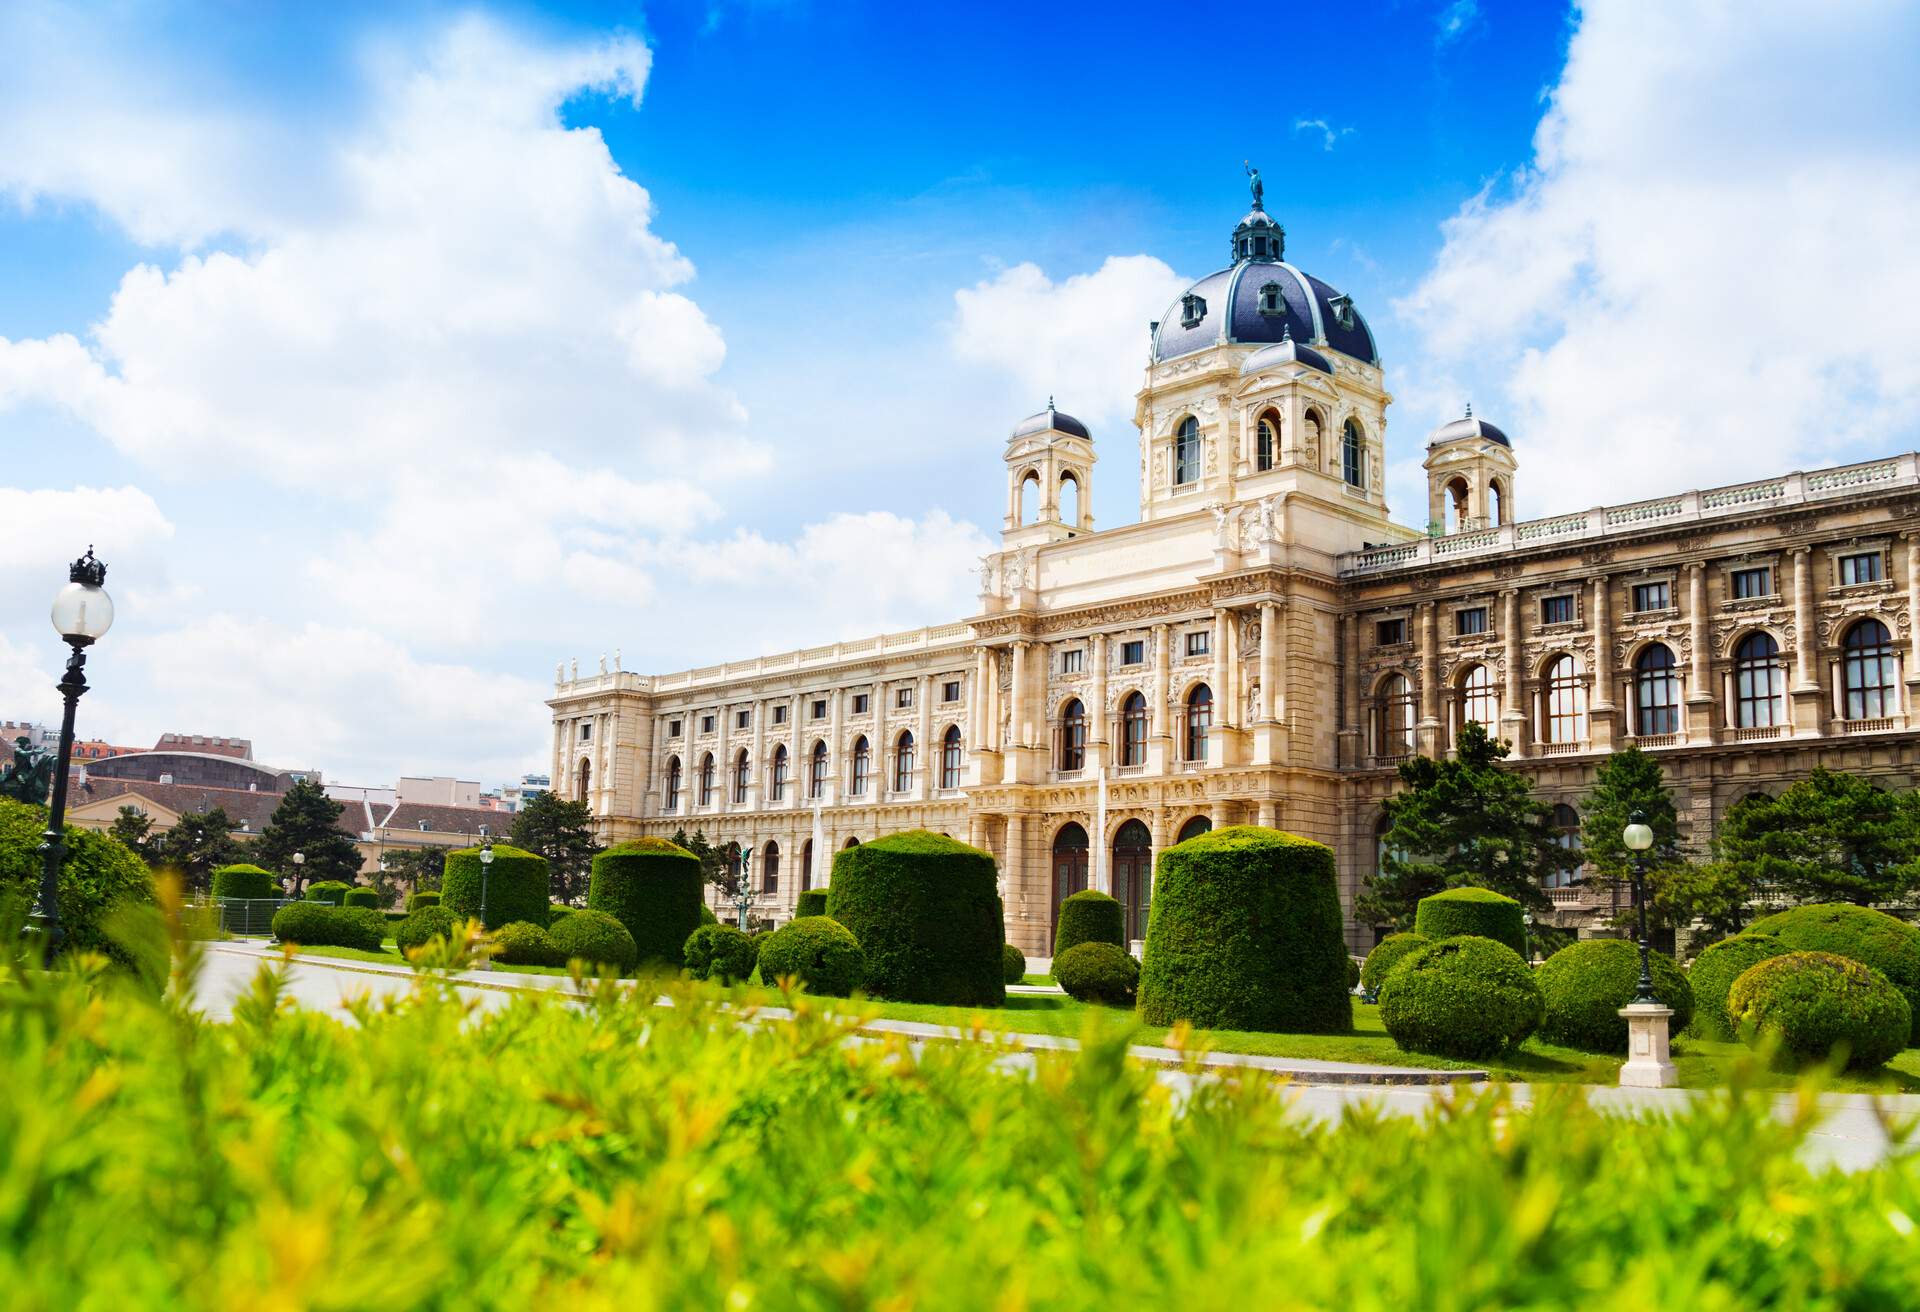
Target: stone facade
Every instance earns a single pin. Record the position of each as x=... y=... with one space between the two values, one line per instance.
x=1265 y=643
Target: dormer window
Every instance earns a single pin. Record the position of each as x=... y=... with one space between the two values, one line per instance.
x=1342 y=307
x=1271 y=302
x=1192 y=310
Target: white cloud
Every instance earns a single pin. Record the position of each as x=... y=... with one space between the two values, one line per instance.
x=44 y=530
x=1329 y=135
x=1456 y=20
x=1699 y=277
x=1082 y=341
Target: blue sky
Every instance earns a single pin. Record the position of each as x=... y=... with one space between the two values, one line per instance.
x=393 y=353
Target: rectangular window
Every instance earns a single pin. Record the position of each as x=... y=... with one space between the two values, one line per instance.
x=706 y=724
x=673 y=728
x=1863 y=568
x=1389 y=633
x=1753 y=582
x=586 y=732
x=779 y=715
x=950 y=691
x=1199 y=642
x=1556 y=610
x=1133 y=653
x=860 y=703
x=741 y=719
x=820 y=710
x=1473 y=620
x=1072 y=662
x=903 y=697
x=1651 y=596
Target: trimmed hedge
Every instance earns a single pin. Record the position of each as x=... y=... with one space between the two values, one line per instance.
x=518 y=943
x=1246 y=934
x=245 y=881
x=653 y=887
x=363 y=897
x=819 y=951
x=1353 y=974
x=1872 y=938
x=1089 y=916
x=330 y=891
x=1586 y=983
x=1811 y=1003
x=320 y=924
x=1712 y=975
x=706 y=915
x=423 y=926
x=720 y=952
x=555 y=910
x=1013 y=964
x=811 y=902
x=596 y=937
x=1098 y=973
x=1388 y=953
x=1478 y=911
x=515 y=887
x=925 y=911
x=1467 y=997
x=417 y=900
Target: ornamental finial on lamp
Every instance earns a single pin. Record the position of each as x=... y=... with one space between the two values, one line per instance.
x=88 y=571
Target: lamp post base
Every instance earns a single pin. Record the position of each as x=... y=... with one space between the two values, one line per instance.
x=1649 y=1060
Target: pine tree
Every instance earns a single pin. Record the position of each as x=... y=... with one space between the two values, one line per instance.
x=306 y=821
x=719 y=866
x=1464 y=821
x=199 y=843
x=562 y=832
x=419 y=868
x=1628 y=781
x=134 y=827
x=1831 y=837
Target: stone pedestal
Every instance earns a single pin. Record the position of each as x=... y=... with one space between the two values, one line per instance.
x=1649 y=1063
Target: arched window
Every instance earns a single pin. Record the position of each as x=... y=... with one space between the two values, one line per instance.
x=1656 y=690
x=903 y=761
x=1195 y=827
x=770 y=869
x=1199 y=721
x=817 y=771
x=806 y=865
x=851 y=842
x=1070 y=852
x=950 y=757
x=1133 y=729
x=586 y=778
x=1566 y=702
x=1496 y=503
x=1478 y=702
x=1566 y=834
x=1133 y=876
x=1266 y=442
x=1068 y=510
x=1186 y=452
x=777 y=777
x=706 y=780
x=1758 y=679
x=862 y=767
x=1073 y=736
x=1393 y=718
x=673 y=783
x=1458 y=497
x=742 y=777
x=1029 y=497
x=1351 y=467
x=1867 y=672
x=1311 y=427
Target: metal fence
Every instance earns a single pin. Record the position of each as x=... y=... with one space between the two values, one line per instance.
x=248 y=915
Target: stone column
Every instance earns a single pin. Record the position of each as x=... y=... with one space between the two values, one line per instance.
x=1427 y=732
x=1700 y=696
x=1513 y=704
x=923 y=736
x=977 y=702
x=1097 y=719
x=1157 y=745
x=1013 y=872
x=1808 y=713
x=1017 y=695
x=1348 y=664
x=1272 y=697
x=1600 y=719
x=1221 y=673
x=836 y=763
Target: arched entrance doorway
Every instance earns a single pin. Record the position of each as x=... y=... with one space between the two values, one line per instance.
x=1133 y=876
x=1195 y=827
x=1070 y=849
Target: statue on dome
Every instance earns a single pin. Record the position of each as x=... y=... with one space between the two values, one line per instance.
x=1259 y=189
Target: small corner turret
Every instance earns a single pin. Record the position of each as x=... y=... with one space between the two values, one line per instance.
x=1049 y=479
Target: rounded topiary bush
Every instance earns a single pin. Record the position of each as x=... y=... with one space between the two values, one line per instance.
x=811 y=902
x=320 y=924
x=515 y=887
x=245 y=881
x=518 y=943
x=1812 y=1003
x=423 y=926
x=1467 y=997
x=330 y=891
x=1098 y=973
x=417 y=900
x=819 y=951
x=1353 y=974
x=1712 y=975
x=362 y=897
x=99 y=871
x=706 y=915
x=1872 y=938
x=1479 y=911
x=596 y=937
x=720 y=952
x=1388 y=953
x=653 y=887
x=1246 y=934
x=555 y=910
x=1585 y=985
x=925 y=910
x=1089 y=916
x=1013 y=964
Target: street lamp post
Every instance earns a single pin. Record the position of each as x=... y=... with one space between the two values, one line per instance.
x=486 y=866
x=1638 y=837
x=82 y=613
x=299 y=860
x=1526 y=922
x=1649 y=1064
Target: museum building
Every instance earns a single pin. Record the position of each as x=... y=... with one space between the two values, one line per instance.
x=1265 y=644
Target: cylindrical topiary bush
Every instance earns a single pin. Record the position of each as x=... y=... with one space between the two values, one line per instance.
x=1872 y=938
x=925 y=910
x=514 y=888
x=1468 y=998
x=1098 y=973
x=653 y=887
x=597 y=938
x=811 y=902
x=1246 y=934
x=1388 y=953
x=721 y=953
x=417 y=900
x=1585 y=985
x=320 y=924
x=423 y=926
x=518 y=943
x=330 y=891
x=1712 y=975
x=362 y=897
x=1479 y=911
x=1013 y=964
x=1089 y=916
x=245 y=881
x=1812 y=1003
x=818 y=951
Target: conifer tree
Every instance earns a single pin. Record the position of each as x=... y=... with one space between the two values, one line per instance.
x=306 y=821
x=562 y=832
x=199 y=843
x=1831 y=837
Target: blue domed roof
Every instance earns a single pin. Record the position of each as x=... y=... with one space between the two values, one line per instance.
x=1283 y=352
x=1050 y=420
x=1231 y=309
x=1468 y=427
